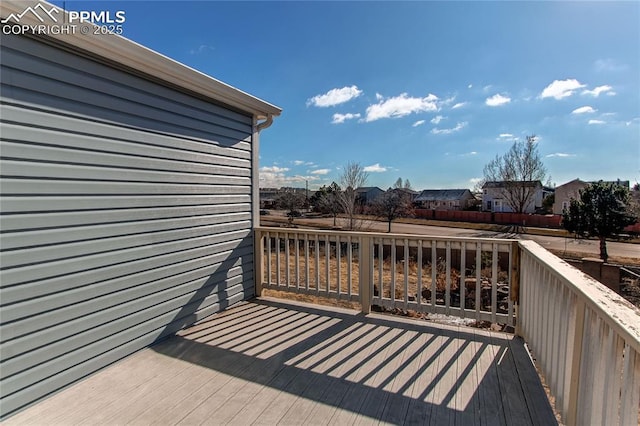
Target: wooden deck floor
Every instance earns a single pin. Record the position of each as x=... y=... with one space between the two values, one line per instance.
x=274 y=362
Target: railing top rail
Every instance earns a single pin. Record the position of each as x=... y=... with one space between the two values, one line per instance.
x=611 y=307
x=424 y=237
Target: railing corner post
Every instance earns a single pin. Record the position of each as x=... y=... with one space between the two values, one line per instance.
x=515 y=272
x=366 y=277
x=258 y=261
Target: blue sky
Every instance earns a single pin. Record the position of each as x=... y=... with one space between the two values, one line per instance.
x=429 y=91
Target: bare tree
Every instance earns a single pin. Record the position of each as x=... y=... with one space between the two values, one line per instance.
x=291 y=201
x=353 y=177
x=518 y=171
x=394 y=203
x=327 y=200
x=400 y=185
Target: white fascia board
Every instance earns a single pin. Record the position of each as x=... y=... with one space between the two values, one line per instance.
x=130 y=54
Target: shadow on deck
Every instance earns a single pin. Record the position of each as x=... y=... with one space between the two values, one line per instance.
x=276 y=362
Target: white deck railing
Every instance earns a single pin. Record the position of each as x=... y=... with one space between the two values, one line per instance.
x=584 y=337
x=468 y=278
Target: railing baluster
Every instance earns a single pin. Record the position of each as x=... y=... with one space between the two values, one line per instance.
x=380 y=271
x=393 y=273
x=287 y=259
x=419 y=262
x=447 y=297
x=338 y=255
x=494 y=283
x=306 y=262
x=349 y=267
x=406 y=273
x=297 y=255
x=630 y=387
x=463 y=272
x=327 y=262
x=317 y=253
x=434 y=274
x=278 y=283
x=478 y=278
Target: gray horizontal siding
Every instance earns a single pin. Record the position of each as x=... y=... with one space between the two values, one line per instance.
x=126 y=215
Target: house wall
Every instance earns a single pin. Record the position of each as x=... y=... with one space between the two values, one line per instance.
x=126 y=215
x=500 y=205
x=564 y=194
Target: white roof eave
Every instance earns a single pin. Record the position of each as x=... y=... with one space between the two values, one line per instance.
x=132 y=55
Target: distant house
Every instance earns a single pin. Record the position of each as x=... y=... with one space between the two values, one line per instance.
x=445 y=199
x=366 y=195
x=496 y=195
x=571 y=190
x=410 y=194
x=269 y=196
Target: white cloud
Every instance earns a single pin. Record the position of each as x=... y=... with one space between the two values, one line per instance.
x=475 y=180
x=275 y=177
x=497 y=100
x=459 y=105
x=584 y=110
x=448 y=101
x=598 y=90
x=379 y=97
x=302 y=163
x=437 y=119
x=609 y=65
x=375 y=168
x=458 y=127
x=321 y=172
x=468 y=154
x=506 y=137
x=273 y=169
x=632 y=121
x=560 y=154
x=341 y=118
x=418 y=123
x=561 y=89
x=399 y=106
x=203 y=48
x=335 y=97
x=596 y=122
x=469 y=86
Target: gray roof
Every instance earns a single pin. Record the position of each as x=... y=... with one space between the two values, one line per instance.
x=367 y=189
x=502 y=184
x=442 y=194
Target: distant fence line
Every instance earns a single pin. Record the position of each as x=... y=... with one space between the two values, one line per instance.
x=523 y=219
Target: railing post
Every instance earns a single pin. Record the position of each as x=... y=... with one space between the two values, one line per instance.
x=576 y=333
x=365 y=258
x=515 y=272
x=258 y=261
x=514 y=291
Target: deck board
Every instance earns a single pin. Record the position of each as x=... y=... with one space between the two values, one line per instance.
x=274 y=362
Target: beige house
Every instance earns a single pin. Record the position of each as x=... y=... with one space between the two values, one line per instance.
x=564 y=193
